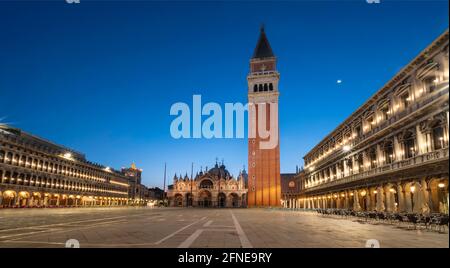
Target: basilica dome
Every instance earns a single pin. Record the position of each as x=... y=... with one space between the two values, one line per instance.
x=219 y=171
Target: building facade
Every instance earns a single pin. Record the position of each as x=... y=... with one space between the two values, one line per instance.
x=391 y=154
x=263 y=163
x=213 y=188
x=38 y=173
x=291 y=186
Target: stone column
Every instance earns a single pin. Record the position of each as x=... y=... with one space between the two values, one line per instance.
x=346 y=203
x=356 y=205
x=373 y=200
x=428 y=203
x=418 y=197
x=31 y=201
x=368 y=199
x=380 y=199
x=390 y=199
x=408 y=198
x=1 y=198
x=401 y=198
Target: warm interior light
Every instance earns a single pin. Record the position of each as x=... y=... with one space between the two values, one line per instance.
x=363 y=193
x=375 y=192
x=412 y=188
x=346 y=148
x=441 y=185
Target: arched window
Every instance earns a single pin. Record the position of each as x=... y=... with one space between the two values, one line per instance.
x=373 y=158
x=360 y=160
x=385 y=111
x=438 y=136
x=260 y=87
x=405 y=99
x=255 y=88
x=270 y=87
x=388 y=152
x=266 y=87
x=430 y=84
x=409 y=145
x=349 y=163
x=340 y=168
x=206 y=184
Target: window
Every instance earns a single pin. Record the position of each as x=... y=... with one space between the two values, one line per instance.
x=360 y=160
x=266 y=87
x=270 y=87
x=388 y=152
x=430 y=84
x=358 y=131
x=405 y=99
x=260 y=87
x=349 y=165
x=409 y=145
x=255 y=88
x=385 y=112
x=438 y=137
x=370 y=123
x=373 y=158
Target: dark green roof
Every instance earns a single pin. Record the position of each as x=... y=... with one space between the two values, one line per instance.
x=262 y=49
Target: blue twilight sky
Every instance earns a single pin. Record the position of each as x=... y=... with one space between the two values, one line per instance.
x=100 y=76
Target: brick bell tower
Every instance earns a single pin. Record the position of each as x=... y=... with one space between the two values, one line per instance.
x=264 y=183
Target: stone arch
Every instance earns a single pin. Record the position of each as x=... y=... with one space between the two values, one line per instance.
x=178 y=200
x=206 y=183
x=439 y=195
x=23 y=198
x=205 y=198
x=222 y=199
x=9 y=198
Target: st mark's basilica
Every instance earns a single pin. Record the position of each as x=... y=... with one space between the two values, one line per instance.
x=215 y=187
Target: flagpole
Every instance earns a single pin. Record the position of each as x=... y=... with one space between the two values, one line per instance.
x=192 y=181
x=164 y=187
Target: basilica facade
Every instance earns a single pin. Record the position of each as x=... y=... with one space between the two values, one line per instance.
x=215 y=187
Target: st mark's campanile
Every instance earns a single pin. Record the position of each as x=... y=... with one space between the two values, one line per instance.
x=264 y=185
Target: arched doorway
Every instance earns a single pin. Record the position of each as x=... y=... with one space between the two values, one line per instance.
x=439 y=195
x=178 y=200
x=189 y=199
x=24 y=199
x=222 y=200
x=204 y=199
x=234 y=200
x=8 y=198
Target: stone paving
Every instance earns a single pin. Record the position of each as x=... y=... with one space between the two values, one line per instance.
x=200 y=228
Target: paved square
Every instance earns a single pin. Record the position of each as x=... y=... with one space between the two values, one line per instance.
x=199 y=228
